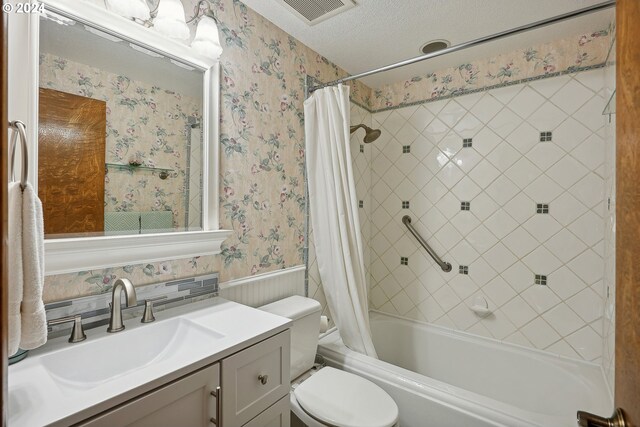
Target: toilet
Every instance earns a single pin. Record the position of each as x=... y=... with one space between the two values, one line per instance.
x=328 y=396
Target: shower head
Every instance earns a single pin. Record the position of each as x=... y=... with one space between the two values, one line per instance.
x=370 y=135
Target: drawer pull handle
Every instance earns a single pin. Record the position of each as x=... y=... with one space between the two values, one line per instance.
x=263 y=379
x=218 y=395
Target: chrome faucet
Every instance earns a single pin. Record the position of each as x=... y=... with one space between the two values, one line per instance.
x=115 y=322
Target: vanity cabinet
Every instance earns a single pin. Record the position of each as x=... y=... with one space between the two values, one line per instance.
x=252 y=385
x=185 y=402
x=254 y=379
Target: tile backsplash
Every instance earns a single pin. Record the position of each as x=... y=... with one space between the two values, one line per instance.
x=253 y=291
x=507 y=184
x=95 y=308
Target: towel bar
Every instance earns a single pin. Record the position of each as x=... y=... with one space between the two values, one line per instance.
x=19 y=128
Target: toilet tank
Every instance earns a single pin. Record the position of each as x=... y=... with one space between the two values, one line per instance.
x=305 y=314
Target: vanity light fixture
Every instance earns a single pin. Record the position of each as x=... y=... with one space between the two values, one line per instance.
x=207 y=39
x=170 y=20
x=130 y=9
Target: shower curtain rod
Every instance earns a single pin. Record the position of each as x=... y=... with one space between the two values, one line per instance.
x=465 y=45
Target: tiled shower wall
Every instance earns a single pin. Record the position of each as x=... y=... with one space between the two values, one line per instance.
x=361 y=162
x=608 y=352
x=508 y=186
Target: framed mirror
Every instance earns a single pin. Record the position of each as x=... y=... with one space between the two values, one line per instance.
x=123 y=133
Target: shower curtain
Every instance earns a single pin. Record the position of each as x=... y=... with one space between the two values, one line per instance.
x=334 y=215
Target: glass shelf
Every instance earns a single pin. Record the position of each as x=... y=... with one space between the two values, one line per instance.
x=163 y=172
x=611 y=105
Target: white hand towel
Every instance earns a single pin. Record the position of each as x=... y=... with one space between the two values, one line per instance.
x=15 y=265
x=34 y=319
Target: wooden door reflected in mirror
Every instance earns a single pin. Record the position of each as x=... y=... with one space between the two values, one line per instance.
x=71 y=162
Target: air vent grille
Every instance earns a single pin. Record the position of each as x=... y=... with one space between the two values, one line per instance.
x=314 y=11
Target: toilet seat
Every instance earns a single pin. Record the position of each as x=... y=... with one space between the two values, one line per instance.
x=339 y=398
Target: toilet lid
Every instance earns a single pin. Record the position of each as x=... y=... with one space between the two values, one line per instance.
x=342 y=399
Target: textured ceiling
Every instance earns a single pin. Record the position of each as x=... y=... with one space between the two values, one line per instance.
x=381 y=32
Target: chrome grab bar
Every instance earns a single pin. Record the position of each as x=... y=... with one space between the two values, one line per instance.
x=445 y=266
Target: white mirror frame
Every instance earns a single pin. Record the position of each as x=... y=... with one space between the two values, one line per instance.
x=75 y=254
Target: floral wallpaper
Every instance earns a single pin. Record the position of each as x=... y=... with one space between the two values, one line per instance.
x=564 y=55
x=145 y=123
x=262 y=157
x=262 y=140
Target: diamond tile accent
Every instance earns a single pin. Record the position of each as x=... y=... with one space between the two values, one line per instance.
x=542 y=208
x=540 y=279
x=546 y=136
x=520 y=218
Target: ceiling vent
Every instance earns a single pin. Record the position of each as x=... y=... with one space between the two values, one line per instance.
x=314 y=11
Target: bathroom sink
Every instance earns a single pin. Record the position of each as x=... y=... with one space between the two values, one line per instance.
x=63 y=384
x=94 y=363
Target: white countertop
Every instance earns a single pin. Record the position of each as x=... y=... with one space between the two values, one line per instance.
x=208 y=331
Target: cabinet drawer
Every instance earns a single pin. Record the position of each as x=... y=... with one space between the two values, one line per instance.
x=186 y=402
x=278 y=415
x=254 y=379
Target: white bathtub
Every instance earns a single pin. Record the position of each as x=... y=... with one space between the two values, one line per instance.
x=445 y=378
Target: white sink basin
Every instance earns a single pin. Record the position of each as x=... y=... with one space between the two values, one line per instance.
x=125 y=352
x=62 y=384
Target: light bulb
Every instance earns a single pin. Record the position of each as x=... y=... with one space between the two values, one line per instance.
x=170 y=20
x=207 y=39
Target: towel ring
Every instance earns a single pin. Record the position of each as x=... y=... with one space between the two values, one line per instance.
x=19 y=128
